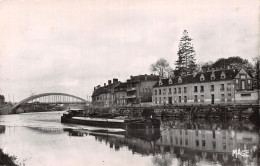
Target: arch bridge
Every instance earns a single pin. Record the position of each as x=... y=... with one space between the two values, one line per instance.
x=51 y=98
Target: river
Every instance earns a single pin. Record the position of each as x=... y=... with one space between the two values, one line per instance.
x=39 y=139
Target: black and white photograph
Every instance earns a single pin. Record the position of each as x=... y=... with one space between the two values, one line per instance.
x=129 y=82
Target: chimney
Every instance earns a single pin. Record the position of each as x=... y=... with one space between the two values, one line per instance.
x=131 y=77
x=109 y=82
x=127 y=80
x=145 y=77
x=115 y=80
x=104 y=84
x=94 y=88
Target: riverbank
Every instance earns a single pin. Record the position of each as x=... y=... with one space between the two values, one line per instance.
x=5 y=109
x=5 y=159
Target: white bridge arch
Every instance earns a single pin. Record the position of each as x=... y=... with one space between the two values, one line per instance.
x=52 y=98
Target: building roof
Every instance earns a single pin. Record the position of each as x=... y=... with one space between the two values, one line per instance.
x=104 y=89
x=121 y=85
x=186 y=79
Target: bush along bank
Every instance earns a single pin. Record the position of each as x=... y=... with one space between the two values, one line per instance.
x=7 y=160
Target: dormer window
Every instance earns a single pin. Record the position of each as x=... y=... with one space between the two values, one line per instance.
x=243 y=76
x=212 y=76
x=202 y=78
x=179 y=80
x=160 y=82
x=223 y=75
x=170 y=81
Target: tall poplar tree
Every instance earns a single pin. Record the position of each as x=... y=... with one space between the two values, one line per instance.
x=186 y=56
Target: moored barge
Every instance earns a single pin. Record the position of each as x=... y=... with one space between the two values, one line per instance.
x=76 y=116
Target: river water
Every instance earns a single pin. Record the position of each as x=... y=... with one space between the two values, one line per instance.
x=39 y=139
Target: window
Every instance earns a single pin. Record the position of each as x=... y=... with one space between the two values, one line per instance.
x=186 y=141
x=202 y=78
x=160 y=82
x=213 y=134
x=160 y=91
x=222 y=97
x=202 y=98
x=185 y=89
x=195 y=98
x=155 y=100
x=214 y=144
x=229 y=87
x=203 y=142
x=212 y=88
x=195 y=89
x=201 y=88
x=224 y=146
x=245 y=94
x=243 y=85
x=197 y=133
x=223 y=75
x=222 y=87
x=155 y=92
x=197 y=143
x=185 y=99
x=175 y=90
x=179 y=90
x=249 y=84
x=229 y=98
x=179 y=99
x=242 y=76
x=170 y=91
x=236 y=81
x=212 y=76
x=179 y=80
x=170 y=81
x=164 y=91
x=180 y=141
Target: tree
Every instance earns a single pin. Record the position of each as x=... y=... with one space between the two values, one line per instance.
x=161 y=66
x=257 y=69
x=206 y=66
x=186 y=56
x=2 y=98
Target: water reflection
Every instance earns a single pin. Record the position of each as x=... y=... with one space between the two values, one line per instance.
x=233 y=143
x=2 y=129
x=188 y=143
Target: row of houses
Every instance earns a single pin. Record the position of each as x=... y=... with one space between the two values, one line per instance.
x=135 y=91
x=211 y=87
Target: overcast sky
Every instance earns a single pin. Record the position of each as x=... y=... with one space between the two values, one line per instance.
x=71 y=46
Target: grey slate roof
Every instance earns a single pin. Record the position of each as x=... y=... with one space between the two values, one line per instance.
x=230 y=74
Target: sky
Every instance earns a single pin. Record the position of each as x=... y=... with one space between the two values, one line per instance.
x=71 y=46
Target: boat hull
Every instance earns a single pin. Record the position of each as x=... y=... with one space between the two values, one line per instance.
x=113 y=123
